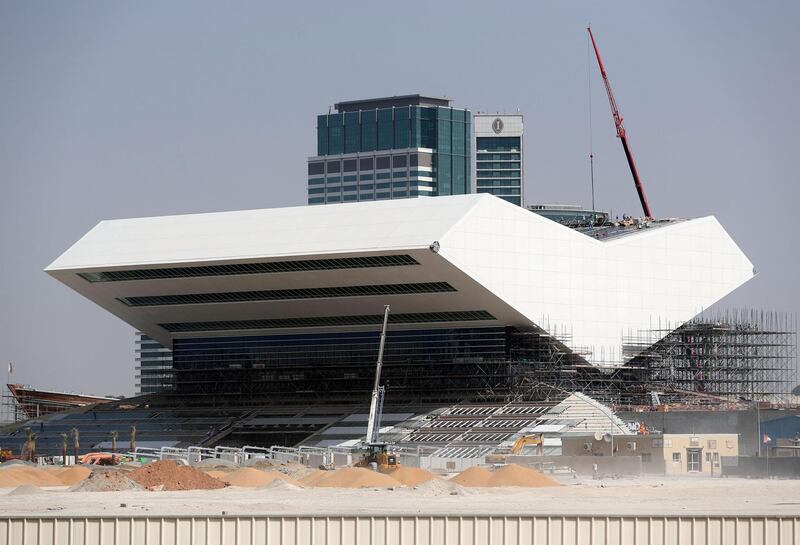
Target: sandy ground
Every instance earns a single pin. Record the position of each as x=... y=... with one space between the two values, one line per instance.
x=643 y=496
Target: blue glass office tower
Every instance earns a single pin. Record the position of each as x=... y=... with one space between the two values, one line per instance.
x=391 y=148
x=499 y=153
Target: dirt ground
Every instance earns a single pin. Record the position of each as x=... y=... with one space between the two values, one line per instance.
x=642 y=496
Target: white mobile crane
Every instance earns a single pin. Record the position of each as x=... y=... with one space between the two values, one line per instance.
x=378 y=453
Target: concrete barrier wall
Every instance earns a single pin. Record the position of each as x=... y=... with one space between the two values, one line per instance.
x=342 y=459
x=761 y=467
x=584 y=465
x=407 y=530
x=449 y=465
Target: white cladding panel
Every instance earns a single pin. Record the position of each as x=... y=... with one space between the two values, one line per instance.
x=592 y=293
x=276 y=232
x=512 y=124
x=519 y=266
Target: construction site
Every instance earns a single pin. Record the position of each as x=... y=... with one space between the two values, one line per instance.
x=453 y=369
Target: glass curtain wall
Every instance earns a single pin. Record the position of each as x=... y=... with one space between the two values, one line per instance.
x=498 y=167
x=445 y=130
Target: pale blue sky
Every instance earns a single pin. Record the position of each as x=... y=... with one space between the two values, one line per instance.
x=113 y=110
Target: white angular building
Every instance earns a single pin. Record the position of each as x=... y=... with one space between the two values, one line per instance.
x=231 y=292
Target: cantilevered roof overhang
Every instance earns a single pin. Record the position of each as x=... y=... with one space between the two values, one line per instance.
x=271 y=271
x=464 y=261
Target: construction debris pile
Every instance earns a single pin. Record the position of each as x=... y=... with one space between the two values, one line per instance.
x=167 y=475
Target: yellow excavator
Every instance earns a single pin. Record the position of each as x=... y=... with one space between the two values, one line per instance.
x=533 y=440
x=517 y=448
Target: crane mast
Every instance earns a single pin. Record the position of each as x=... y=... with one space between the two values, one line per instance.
x=376 y=404
x=621 y=131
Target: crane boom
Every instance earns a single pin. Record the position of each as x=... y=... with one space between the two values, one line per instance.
x=621 y=131
x=376 y=404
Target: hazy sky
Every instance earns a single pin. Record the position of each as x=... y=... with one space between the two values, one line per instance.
x=112 y=110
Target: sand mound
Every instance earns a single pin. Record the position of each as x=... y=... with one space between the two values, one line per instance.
x=21 y=474
x=292 y=469
x=25 y=490
x=172 y=476
x=260 y=463
x=217 y=473
x=280 y=484
x=248 y=476
x=440 y=487
x=510 y=475
x=73 y=474
x=515 y=475
x=105 y=481
x=473 y=476
x=351 y=477
x=8 y=480
x=314 y=477
x=14 y=463
x=411 y=476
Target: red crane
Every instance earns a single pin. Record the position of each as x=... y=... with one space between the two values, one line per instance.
x=621 y=131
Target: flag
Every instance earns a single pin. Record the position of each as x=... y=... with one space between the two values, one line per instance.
x=10 y=368
x=767 y=439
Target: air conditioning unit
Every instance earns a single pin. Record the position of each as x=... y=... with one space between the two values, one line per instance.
x=587 y=447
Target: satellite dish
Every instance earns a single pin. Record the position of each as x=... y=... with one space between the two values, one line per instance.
x=607 y=437
x=598 y=436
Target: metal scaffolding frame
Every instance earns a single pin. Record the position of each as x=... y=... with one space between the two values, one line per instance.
x=712 y=360
x=745 y=355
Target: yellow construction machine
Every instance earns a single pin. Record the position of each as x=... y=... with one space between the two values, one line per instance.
x=381 y=455
x=533 y=440
x=517 y=448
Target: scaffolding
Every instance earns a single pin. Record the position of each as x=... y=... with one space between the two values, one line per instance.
x=542 y=363
x=720 y=360
x=743 y=355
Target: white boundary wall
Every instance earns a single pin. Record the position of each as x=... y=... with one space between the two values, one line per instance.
x=412 y=530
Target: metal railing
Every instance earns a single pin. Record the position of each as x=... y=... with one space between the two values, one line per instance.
x=421 y=456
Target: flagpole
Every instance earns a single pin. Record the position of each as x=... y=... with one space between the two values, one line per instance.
x=768 y=460
x=758 y=419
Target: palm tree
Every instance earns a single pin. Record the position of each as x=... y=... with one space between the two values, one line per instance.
x=132 y=446
x=31 y=444
x=26 y=446
x=64 y=448
x=114 y=436
x=76 y=442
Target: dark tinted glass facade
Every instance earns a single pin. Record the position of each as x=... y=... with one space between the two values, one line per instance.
x=390 y=137
x=419 y=366
x=440 y=128
x=153 y=365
